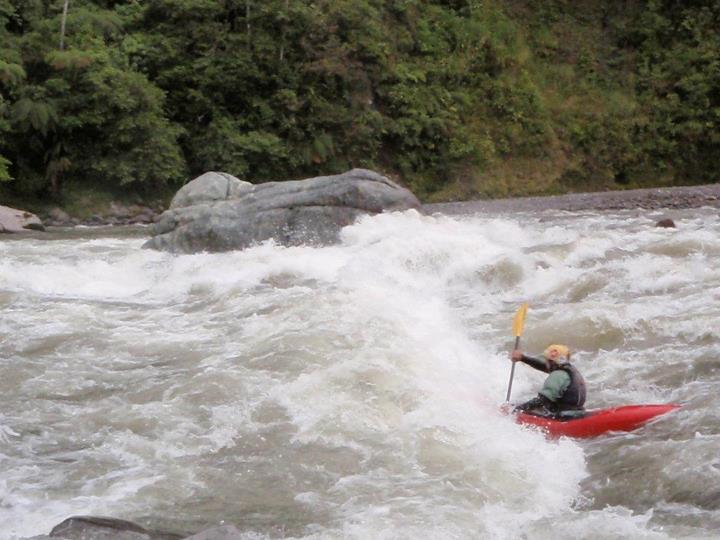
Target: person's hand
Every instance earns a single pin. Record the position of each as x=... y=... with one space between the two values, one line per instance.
x=506 y=408
x=516 y=355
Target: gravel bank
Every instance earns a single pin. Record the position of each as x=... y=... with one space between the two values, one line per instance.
x=649 y=199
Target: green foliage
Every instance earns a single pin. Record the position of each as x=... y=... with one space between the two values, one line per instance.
x=4 y=173
x=455 y=96
x=679 y=83
x=81 y=112
x=224 y=147
x=11 y=74
x=30 y=115
x=120 y=132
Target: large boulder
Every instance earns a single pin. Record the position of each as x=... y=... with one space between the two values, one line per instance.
x=12 y=220
x=105 y=528
x=208 y=188
x=217 y=212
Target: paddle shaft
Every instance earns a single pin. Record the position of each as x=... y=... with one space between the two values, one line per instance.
x=512 y=370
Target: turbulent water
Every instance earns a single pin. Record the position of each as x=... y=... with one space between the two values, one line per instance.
x=353 y=391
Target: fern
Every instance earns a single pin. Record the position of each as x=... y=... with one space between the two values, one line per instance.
x=40 y=116
x=11 y=74
x=4 y=172
x=73 y=59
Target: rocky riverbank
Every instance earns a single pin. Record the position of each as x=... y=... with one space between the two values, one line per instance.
x=648 y=199
x=116 y=214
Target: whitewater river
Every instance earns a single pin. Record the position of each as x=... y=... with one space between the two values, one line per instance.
x=353 y=391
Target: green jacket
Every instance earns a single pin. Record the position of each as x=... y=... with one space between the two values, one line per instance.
x=555 y=385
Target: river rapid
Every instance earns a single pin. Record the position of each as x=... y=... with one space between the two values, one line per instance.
x=353 y=391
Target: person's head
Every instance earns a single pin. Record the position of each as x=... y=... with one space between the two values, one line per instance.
x=556 y=355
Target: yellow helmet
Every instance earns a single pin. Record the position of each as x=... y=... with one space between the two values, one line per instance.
x=557 y=353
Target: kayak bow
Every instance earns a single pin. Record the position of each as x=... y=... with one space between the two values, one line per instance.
x=599 y=421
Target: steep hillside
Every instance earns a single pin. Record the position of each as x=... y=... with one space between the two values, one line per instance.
x=456 y=98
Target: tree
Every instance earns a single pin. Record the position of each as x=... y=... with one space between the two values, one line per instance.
x=81 y=111
x=679 y=81
x=62 y=24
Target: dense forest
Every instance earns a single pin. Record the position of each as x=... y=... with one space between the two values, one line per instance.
x=454 y=98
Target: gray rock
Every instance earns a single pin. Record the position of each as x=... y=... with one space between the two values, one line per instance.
x=59 y=216
x=13 y=221
x=666 y=223
x=145 y=216
x=119 y=210
x=208 y=188
x=292 y=213
x=227 y=532
x=103 y=528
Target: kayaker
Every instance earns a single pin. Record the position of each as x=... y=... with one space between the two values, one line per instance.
x=564 y=388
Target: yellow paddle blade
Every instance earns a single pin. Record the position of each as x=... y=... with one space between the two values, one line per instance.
x=519 y=320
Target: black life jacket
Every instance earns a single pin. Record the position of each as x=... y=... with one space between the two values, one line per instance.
x=574 y=396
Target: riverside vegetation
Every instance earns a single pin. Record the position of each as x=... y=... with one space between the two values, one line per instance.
x=457 y=99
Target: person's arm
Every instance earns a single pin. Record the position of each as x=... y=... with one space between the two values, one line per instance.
x=535 y=363
x=534 y=403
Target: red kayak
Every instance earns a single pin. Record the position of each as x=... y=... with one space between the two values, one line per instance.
x=599 y=421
